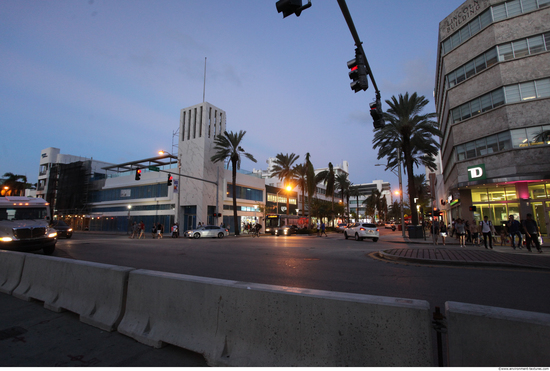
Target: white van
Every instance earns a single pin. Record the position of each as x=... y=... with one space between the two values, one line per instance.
x=24 y=225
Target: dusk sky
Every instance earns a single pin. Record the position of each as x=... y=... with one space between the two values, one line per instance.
x=107 y=78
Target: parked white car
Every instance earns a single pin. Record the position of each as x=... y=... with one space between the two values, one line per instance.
x=362 y=230
x=207 y=231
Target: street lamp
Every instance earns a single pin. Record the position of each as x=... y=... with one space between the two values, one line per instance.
x=176 y=216
x=288 y=189
x=129 y=225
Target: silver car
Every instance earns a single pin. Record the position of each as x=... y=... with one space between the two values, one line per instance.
x=362 y=230
x=207 y=231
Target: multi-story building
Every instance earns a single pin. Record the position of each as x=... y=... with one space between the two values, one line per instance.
x=277 y=192
x=357 y=205
x=65 y=181
x=492 y=98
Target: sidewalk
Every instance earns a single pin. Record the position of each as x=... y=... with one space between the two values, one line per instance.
x=424 y=251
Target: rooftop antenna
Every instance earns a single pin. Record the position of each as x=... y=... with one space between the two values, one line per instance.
x=204 y=84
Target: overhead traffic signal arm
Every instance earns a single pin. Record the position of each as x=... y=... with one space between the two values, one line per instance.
x=288 y=7
x=377 y=114
x=358 y=72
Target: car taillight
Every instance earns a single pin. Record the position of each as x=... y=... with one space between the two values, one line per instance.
x=377 y=230
x=361 y=229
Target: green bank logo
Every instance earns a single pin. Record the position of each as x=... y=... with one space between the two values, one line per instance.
x=476 y=172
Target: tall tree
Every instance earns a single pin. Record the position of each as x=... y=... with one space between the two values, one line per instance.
x=228 y=147
x=354 y=192
x=374 y=202
x=342 y=184
x=16 y=184
x=284 y=171
x=328 y=177
x=411 y=132
x=300 y=171
x=311 y=185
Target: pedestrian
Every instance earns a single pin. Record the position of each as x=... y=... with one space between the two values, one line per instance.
x=154 y=230
x=475 y=233
x=435 y=230
x=532 y=233
x=160 y=230
x=141 y=229
x=174 y=231
x=453 y=224
x=514 y=230
x=467 y=230
x=318 y=228
x=323 y=229
x=134 y=230
x=443 y=232
x=487 y=229
x=460 y=232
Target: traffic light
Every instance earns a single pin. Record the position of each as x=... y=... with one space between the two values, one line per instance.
x=377 y=115
x=288 y=7
x=138 y=174
x=169 y=182
x=358 y=73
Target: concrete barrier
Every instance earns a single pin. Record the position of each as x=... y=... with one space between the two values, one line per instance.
x=11 y=267
x=482 y=336
x=242 y=324
x=94 y=291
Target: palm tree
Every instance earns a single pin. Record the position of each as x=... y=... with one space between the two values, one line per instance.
x=342 y=183
x=328 y=177
x=16 y=184
x=229 y=148
x=374 y=202
x=354 y=192
x=413 y=133
x=300 y=171
x=395 y=210
x=283 y=170
x=311 y=185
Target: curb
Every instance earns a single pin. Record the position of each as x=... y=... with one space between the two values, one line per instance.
x=383 y=255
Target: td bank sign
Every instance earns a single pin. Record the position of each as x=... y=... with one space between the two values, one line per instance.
x=476 y=172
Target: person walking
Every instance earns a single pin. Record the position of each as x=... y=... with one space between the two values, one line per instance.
x=141 y=229
x=531 y=233
x=160 y=230
x=460 y=232
x=318 y=228
x=435 y=230
x=475 y=233
x=323 y=230
x=154 y=230
x=443 y=232
x=514 y=230
x=487 y=229
x=453 y=227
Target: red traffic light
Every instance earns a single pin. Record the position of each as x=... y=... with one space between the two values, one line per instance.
x=138 y=174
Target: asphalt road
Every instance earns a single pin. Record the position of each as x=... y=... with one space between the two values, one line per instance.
x=327 y=263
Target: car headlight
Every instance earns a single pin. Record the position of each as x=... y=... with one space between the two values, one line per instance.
x=70 y=230
x=6 y=239
x=52 y=235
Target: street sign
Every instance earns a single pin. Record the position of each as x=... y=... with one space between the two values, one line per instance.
x=154 y=168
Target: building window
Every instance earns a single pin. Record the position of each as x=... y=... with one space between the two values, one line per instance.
x=483 y=146
x=246 y=193
x=534 y=136
x=494 y=14
x=183 y=128
x=508 y=94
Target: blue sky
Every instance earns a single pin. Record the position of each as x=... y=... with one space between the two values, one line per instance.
x=107 y=78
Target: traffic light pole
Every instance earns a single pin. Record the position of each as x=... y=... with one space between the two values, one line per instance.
x=358 y=43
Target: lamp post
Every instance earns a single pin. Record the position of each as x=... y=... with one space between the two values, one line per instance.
x=177 y=214
x=129 y=225
x=288 y=189
x=400 y=189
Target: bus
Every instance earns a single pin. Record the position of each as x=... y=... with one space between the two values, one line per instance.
x=280 y=224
